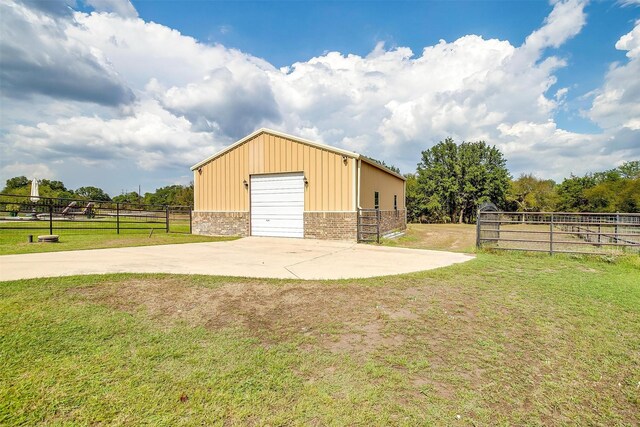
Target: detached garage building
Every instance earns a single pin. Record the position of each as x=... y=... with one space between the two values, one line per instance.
x=273 y=184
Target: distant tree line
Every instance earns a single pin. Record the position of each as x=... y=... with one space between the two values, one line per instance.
x=453 y=180
x=449 y=184
x=172 y=195
x=614 y=190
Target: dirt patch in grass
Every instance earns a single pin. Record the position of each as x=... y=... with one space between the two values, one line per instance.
x=447 y=338
x=343 y=318
x=502 y=340
x=449 y=237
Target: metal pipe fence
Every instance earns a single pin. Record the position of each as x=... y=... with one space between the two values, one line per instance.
x=368 y=225
x=560 y=232
x=89 y=216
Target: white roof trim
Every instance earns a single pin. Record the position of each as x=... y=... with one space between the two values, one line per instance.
x=350 y=154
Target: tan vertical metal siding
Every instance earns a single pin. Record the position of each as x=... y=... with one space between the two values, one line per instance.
x=219 y=186
x=373 y=179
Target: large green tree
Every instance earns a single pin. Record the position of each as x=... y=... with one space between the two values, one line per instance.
x=21 y=186
x=455 y=179
x=438 y=180
x=630 y=170
x=15 y=183
x=415 y=199
x=619 y=195
x=613 y=190
x=571 y=196
x=172 y=195
x=132 y=197
x=92 y=193
x=530 y=194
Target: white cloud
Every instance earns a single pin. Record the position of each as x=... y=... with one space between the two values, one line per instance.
x=30 y=170
x=194 y=98
x=565 y=21
x=617 y=104
x=142 y=50
x=631 y=42
x=38 y=58
x=561 y=94
x=395 y=104
x=122 y=8
x=149 y=136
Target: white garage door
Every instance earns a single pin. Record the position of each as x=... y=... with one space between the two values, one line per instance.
x=277 y=205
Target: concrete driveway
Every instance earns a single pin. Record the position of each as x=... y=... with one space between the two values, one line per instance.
x=248 y=257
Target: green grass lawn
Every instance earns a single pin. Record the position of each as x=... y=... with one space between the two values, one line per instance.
x=505 y=339
x=15 y=241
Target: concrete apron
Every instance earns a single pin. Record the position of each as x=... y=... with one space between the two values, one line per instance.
x=247 y=257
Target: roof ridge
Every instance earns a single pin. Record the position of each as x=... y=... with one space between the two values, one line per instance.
x=252 y=135
x=300 y=140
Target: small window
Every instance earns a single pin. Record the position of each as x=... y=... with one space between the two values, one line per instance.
x=395 y=201
x=376 y=200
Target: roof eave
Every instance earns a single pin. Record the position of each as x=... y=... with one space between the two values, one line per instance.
x=350 y=154
x=381 y=167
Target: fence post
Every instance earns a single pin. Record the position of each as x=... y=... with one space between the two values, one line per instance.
x=50 y=218
x=190 y=220
x=551 y=236
x=167 y=219
x=617 y=222
x=478 y=228
x=117 y=218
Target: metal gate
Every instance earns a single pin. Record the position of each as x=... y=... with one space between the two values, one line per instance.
x=560 y=232
x=179 y=219
x=369 y=225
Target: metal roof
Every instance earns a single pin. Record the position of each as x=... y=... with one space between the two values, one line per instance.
x=346 y=153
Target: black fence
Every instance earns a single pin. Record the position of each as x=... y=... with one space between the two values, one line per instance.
x=560 y=232
x=88 y=216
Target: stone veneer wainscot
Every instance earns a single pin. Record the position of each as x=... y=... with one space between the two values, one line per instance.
x=221 y=223
x=331 y=225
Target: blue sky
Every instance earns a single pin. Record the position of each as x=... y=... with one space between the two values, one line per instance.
x=286 y=32
x=115 y=93
x=290 y=31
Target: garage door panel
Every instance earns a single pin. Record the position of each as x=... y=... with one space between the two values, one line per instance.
x=261 y=195
x=276 y=208
x=275 y=225
x=281 y=233
x=290 y=199
x=276 y=222
x=279 y=201
x=277 y=205
x=272 y=216
x=269 y=184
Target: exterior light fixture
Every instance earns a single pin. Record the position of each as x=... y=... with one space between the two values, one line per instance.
x=245 y=183
x=306 y=181
x=200 y=171
x=344 y=159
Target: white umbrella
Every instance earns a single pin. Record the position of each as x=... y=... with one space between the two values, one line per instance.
x=35 y=193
